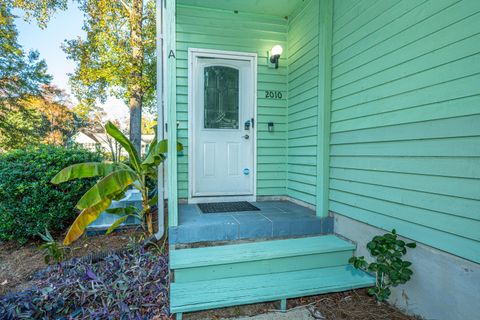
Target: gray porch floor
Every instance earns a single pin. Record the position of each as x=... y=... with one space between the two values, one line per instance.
x=276 y=219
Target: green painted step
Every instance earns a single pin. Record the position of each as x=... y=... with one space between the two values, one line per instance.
x=257 y=258
x=203 y=295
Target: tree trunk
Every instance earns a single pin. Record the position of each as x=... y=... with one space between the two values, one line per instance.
x=136 y=90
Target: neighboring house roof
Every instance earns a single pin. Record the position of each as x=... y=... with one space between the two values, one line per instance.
x=84 y=137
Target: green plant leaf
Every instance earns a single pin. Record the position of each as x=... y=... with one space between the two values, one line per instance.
x=411 y=245
x=115 y=225
x=122 y=211
x=115 y=133
x=107 y=187
x=86 y=170
x=406 y=264
x=154 y=200
x=156 y=153
x=85 y=217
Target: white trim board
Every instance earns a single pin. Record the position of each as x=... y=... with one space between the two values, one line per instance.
x=194 y=53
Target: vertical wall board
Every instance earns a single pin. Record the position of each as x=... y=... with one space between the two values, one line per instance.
x=324 y=103
x=405 y=120
x=170 y=102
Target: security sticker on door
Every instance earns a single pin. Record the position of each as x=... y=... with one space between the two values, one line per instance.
x=246 y=171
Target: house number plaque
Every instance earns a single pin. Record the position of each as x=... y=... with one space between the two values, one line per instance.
x=269 y=94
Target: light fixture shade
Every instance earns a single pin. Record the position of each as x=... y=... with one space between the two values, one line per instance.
x=277 y=50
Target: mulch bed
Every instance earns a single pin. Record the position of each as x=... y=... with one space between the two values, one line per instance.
x=348 y=305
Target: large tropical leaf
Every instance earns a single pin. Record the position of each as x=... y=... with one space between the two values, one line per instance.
x=87 y=170
x=123 y=211
x=115 y=225
x=108 y=187
x=156 y=153
x=86 y=217
x=125 y=143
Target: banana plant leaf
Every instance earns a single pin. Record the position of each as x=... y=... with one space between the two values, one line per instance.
x=125 y=143
x=87 y=170
x=107 y=187
x=156 y=153
x=115 y=225
x=154 y=200
x=122 y=211
x=85 y=217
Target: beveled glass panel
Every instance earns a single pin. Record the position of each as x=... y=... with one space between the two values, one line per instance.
x=221 y=98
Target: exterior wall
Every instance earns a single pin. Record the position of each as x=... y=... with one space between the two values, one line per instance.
x=226 y=30
x=302 y=103
x=442 y=286
x=405 y=128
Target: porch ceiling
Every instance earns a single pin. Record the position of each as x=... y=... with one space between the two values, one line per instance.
x=279 y=8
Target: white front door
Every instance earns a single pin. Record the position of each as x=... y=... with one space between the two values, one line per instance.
x=223 y=127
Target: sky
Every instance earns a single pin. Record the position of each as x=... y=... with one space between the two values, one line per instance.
x=63 y=25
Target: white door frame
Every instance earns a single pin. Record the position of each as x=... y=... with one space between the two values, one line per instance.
x=194 y=53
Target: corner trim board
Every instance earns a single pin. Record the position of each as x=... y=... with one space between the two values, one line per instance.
x=170 y=83
x=324 y=104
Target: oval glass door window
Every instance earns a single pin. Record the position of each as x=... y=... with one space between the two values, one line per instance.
x=221 y=110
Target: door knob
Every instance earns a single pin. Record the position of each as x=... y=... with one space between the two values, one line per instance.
x=246 y=137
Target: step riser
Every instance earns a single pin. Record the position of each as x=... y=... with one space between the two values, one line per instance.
x=201 y=295
x=259 y=267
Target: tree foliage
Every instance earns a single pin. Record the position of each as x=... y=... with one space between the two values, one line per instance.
x=41 y=118
x=21 y=76
x=39 y=10
x=117 y=57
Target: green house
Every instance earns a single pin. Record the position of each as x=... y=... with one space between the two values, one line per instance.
x=311 y=126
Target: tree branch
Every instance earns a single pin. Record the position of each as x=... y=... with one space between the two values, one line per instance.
x=125 y=5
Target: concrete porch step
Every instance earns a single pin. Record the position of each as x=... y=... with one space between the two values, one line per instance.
x=275 y=219
x=202 y=295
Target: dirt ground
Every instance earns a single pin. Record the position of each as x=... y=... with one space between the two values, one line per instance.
x=19 y=263
x=348 y=305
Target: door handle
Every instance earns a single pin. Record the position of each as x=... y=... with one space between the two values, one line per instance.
x=246 y=137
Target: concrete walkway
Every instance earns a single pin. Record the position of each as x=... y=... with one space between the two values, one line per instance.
x=294 y=314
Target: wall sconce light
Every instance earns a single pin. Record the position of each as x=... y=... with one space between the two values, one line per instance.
x=277 y=50
x=270 y=127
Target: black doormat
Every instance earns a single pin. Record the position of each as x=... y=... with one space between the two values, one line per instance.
x=227 y=207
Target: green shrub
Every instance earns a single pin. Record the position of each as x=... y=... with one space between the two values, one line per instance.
x=390 y=269
x=29 y=203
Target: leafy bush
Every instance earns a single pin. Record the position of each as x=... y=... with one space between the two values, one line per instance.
x=29 y=203
x=390 y=270
x=131 y=285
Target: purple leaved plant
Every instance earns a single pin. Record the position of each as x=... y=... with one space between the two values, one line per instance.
x=131 y=285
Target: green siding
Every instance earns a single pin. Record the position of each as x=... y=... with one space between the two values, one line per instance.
x=225 y=30
x=303 y=75
x=405 y=121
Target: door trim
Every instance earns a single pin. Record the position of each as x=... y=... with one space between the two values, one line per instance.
x=194 y=53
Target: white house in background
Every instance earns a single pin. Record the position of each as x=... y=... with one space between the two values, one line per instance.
x=98 y=140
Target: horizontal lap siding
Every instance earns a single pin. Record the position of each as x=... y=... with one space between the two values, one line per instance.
x=405 y=131
x=225 y=30
x=302 y=103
